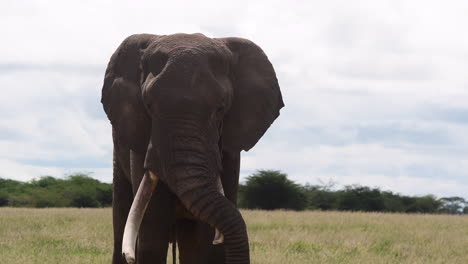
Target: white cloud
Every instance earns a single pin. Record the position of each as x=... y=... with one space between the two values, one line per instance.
x=47 y=113
x=375 y=91
x=25 y=172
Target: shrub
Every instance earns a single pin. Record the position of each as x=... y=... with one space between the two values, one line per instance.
x=77 y=190
x=271 y=189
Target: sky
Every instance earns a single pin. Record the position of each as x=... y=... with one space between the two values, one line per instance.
x=376 y=92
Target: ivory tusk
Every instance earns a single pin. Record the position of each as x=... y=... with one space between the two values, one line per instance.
x=135 y=216
x=219 y=237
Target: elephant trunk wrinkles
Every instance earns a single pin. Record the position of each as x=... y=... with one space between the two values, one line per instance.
x=197 y=186
x=212 y=207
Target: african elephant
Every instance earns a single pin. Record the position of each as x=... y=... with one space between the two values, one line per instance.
x=182 y=108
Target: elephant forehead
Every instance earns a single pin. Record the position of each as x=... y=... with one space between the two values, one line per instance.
x=188 y=44
x=186 y=40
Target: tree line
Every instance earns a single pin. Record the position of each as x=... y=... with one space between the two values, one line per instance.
x=270 y=189
x=264 y=189
x=78 y=190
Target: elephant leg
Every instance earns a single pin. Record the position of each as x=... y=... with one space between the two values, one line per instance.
x=194 y=240
x=121 y=203
x=212 y=254
x=187 y=242
x=157 y=223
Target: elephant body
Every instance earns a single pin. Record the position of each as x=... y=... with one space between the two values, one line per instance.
x=184 y=107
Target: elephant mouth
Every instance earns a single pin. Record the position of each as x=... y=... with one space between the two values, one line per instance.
x=137 y=211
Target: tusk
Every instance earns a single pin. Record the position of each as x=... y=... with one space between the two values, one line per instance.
x=135 y=216
x=219 y=237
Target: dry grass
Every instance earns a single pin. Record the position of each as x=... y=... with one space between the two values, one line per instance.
x=336 y=237
x=85 y=236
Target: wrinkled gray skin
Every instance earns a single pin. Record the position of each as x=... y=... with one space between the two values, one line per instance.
x=184 y=106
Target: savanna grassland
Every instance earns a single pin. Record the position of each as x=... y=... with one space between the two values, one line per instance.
x=85 y=236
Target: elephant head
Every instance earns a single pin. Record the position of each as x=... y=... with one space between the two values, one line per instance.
x=181 y=99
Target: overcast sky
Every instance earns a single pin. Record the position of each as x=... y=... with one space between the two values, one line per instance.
x=376 y=92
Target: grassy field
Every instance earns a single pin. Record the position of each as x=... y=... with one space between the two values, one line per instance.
x=85 y=236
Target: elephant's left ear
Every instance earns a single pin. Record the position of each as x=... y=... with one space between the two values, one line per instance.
x=257 y=96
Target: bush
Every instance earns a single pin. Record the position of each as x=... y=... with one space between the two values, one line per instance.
x=265 y=189
x=320 y=197
x=359 y=198
x=78 y=190
x=425 y=204
x=270 y=189
x=3 y=199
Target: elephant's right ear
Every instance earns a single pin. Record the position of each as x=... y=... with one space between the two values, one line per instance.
x=121 y=93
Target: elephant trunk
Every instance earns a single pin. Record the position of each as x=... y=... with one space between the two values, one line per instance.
x=195 y=165
x=213 y=208
x=190 y=164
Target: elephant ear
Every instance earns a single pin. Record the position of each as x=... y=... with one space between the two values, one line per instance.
x=256 y=96
x=121 y=93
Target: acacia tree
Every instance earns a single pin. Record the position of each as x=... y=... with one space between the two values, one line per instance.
x=453 y=205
